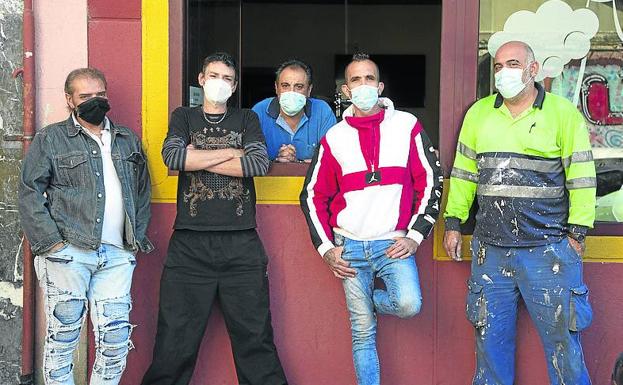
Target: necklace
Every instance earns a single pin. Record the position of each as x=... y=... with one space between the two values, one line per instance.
x=205 y=116
x=374 y=176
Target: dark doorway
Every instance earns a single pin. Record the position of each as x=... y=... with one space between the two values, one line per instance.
x=403 y=36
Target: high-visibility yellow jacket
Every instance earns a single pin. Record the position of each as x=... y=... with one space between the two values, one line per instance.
x=533 y=174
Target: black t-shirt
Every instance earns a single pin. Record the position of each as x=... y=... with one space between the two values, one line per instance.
x=208 y=201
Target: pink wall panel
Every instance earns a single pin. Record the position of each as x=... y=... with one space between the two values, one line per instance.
x=60 y=47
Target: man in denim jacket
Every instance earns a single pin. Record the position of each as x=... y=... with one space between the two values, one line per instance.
x=85 y=195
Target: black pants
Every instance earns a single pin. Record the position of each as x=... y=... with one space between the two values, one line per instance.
x=201 y=266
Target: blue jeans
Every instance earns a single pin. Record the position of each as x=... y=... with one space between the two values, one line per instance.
x=401 y=298
x=71 y=278
x=549 y=279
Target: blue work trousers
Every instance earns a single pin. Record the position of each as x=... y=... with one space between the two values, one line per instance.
x=549 y=279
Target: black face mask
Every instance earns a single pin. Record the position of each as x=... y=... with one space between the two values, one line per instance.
x=93 y=110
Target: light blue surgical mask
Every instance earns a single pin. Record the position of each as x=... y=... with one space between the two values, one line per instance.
x=291 y=102
x=365 y=97
x=509 y=81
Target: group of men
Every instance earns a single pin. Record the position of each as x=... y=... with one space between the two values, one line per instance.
x=371 y=196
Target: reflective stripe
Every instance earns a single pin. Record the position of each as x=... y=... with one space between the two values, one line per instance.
x=577 y=157
x=539 y=165
x=462 y=174
x=521 y=191
x=466 y=151
x=576 y=183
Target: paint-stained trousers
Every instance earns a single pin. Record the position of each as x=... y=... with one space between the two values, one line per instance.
x=200 y=267
x=549 y=279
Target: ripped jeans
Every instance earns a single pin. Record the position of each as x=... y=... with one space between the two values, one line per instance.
x=549 y=279
x=71 y=278
x=401 y=298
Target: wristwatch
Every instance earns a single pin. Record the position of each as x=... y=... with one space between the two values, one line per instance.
x=577 y=233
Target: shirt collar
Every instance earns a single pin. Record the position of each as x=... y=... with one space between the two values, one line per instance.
x=274 y=109
x=538 y=102
x=281 y=122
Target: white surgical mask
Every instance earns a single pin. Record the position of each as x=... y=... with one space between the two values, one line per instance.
x=217 y=91
x=292 y=102
x=364 y=97
x=509 y=82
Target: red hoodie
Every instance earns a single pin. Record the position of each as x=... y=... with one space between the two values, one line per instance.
x=373 y=177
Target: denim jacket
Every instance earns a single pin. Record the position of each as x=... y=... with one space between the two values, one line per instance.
x=62 y=186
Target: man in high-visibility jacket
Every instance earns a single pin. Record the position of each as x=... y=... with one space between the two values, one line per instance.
x=526 y=155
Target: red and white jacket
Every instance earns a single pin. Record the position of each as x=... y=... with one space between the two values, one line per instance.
x=338 y=196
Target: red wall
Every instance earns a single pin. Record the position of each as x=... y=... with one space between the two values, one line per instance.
x=114 y=44
x=114 y=38
x=311 y=323
x=309 y=315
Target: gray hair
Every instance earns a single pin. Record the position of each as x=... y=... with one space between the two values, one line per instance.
x=89 y=73
x=295 y=63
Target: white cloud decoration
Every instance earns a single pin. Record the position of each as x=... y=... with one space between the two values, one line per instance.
x=556 y=33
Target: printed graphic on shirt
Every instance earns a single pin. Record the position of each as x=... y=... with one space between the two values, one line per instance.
x=205 y=185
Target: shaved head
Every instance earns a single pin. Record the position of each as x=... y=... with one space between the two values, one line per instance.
x=358 y=58
x=525 y=49
x=515 y=54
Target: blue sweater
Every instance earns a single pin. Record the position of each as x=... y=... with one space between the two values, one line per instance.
x=316 y=121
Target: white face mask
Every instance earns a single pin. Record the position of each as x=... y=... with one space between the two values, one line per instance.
x=292 y=102
x=364 y=97
x=217 y=91
x=509 y=82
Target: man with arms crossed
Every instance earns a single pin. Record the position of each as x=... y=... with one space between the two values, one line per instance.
x=214 y=250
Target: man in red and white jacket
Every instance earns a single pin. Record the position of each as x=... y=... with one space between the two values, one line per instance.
x=370 y=197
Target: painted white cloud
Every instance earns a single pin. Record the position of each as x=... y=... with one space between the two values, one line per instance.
x=556 y=33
